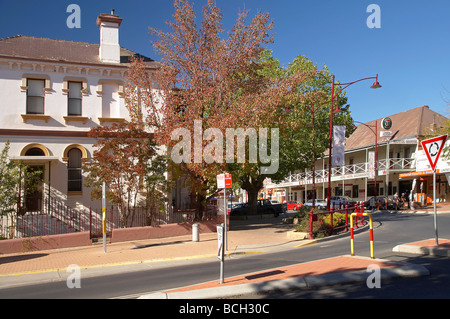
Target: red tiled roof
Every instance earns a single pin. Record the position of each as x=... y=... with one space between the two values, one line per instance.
x=44 y=49
x=413 y=123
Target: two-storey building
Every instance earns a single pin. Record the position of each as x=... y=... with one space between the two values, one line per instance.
x=52 y=93
x=401 y=163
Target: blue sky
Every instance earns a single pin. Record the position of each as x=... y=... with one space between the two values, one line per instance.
x=410 y=52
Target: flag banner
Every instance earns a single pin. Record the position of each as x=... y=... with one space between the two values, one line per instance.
x=338 y=145
x=371 y=165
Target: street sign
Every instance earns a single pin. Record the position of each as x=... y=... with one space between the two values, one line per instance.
x=220 y=231
x=221 y=249
x=224 y=181
x=386 y=123
x=433 y=148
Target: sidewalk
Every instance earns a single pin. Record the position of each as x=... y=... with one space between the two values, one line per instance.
x=268 y=235
x=50 y=265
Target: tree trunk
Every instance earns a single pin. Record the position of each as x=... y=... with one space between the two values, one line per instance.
x=252 y=186
x=199 y=206
x=252 y=201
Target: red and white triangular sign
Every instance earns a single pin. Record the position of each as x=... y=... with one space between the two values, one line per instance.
x=433 y=148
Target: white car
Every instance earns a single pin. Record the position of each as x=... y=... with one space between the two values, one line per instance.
x=320 y=203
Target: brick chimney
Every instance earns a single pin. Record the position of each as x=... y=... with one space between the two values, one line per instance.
x=109 y=37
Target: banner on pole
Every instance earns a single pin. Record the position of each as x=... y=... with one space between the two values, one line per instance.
x=338 y=145
x=371 y=165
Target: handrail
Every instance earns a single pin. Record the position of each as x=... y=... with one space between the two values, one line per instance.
x=352 y=246
x=349 y=170
x=347 y=210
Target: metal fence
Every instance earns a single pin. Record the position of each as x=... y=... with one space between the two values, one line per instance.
x=327 y=226
x=54 y=217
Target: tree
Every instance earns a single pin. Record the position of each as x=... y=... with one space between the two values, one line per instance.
x=127 y=158
x=215 y=82
x=295 y=122
x=13 y=175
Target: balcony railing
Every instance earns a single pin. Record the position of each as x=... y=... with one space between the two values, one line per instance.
x=351 y=171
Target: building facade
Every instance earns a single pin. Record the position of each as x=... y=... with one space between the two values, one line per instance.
x=52 y=93
x=401 y=163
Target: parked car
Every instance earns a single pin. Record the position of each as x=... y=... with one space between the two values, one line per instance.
x=320 y=203
x=293 y=205
x=342 y=201
x=263 y=206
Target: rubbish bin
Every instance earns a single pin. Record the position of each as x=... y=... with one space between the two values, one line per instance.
x=195 y=232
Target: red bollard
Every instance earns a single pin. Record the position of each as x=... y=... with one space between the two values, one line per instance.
x=346 y=217
x=311 y=224
x=331 y=219
x=362 y=212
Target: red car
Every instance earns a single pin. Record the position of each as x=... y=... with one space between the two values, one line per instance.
x=293 y=205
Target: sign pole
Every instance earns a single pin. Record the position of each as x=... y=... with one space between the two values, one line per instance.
x=433 y=148
x=225 y=218
x=434 y=207
x=104 y=216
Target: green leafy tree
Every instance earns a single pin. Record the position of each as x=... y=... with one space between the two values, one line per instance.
x=313 y=92
x=16 y=179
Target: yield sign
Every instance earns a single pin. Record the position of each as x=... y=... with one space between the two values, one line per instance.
x=433 y=148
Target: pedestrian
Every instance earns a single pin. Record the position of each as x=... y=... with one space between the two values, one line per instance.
x=396 y=200
x=411 y=200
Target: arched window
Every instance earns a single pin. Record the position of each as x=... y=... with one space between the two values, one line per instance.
x=35 y=151
x=74 y=180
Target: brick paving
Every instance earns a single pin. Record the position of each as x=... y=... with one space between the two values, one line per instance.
x=314 y=268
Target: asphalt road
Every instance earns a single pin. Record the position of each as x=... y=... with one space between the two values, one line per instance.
x=389 y=231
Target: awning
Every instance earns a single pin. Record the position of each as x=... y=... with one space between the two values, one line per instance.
x=416 y=174
x=34 y=159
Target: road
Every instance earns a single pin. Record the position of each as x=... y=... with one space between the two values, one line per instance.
x=389 y=231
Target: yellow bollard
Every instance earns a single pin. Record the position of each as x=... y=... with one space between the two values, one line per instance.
x=352 y=246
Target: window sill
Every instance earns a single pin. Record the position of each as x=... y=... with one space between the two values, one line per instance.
x=74 y=118
x=110 y=120
x=39 y=117
x=74 y=193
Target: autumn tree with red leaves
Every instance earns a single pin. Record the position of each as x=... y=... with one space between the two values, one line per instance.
x=127 y=158
x=217 y=79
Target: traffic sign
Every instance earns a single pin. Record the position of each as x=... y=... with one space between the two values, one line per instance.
x=224 y=181
x=433 y=148
x=220 y=246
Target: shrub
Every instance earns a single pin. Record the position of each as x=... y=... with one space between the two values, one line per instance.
x=321 y=226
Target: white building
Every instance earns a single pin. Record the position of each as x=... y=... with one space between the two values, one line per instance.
x=52 y=93
x=400 y=161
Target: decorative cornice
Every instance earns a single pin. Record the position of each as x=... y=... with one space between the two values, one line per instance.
x=43 y=133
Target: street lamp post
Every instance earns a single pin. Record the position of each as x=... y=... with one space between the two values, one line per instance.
x=371 y=127
x=375 y=85
x=313 y=110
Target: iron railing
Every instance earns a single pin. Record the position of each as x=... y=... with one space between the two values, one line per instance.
x=54 y=217
x=349 y=171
